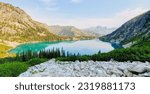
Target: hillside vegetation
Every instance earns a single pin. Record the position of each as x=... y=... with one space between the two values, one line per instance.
x=4 y=51
x=127 y=54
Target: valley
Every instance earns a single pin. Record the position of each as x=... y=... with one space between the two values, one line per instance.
x=17 y=27
x=28 y=47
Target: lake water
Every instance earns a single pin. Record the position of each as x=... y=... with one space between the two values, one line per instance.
x=83 y=47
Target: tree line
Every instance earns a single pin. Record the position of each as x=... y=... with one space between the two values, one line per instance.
x=49 y=54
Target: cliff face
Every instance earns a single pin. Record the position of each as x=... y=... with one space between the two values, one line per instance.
x=17 y=26
x=137 y=29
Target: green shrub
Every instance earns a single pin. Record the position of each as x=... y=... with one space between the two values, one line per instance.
x=84 y=58
x=36 y=61
x=12 y=69
x=129 y=54
x=74 y=58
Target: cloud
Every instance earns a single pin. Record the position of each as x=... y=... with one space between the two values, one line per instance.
x=49 y=2
x=46 y=1
x=52 y=1
x=130 y=13
x=126 y=15
x=76 y=1
x=52 y=8
x=116 y=20
x=50 y=5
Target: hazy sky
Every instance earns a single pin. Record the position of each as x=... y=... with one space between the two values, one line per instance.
x=82 y=13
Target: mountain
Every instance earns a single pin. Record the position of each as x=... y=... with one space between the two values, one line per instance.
x=99 y=30
x=137 y=30
x=69 y=31
x=17 y=26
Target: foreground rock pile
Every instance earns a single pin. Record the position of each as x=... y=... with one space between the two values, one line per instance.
x=55 y=68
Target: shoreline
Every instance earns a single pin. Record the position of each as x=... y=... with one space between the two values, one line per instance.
x=15 y=44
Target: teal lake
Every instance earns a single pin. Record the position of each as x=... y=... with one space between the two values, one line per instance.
x=83 y=47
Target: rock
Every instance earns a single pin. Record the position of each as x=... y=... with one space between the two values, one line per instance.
x=147 y=68
x=76 y=67
x=33 y=70
x=91 y=68
x=122 y=67
x=41 y=74
x=85 y=73
x=101 y=73
x=113 y=75
x=127 y=73
x=25 y=74
x=82 y=66
x=117 y=72
x=135 y=75
x=77 y=74
x=53 y=68
x=138 y=69
x=109 y=72
x=146 y=74
x=147 y=63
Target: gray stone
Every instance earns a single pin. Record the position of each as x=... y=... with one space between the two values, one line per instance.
x=136 y=75
x=146 y=74
x=117 y=72
x=101 y=73
x=52 y=68
x=113 y=75
x=122 y=68
x=138 y=69
x=109 y=72
x=147 y=63
x=147 y=68
x=76 y=67
x=127 y=73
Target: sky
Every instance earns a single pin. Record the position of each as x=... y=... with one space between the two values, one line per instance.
x=82 y=13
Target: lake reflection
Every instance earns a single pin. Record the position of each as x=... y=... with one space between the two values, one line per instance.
x=83 y=47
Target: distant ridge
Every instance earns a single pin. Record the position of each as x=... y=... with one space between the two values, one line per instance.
x=100 y=30
x=69 y=31
x=134 y=31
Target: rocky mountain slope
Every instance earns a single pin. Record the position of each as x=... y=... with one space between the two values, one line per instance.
x=100 y=31
x=133 y=31
x=17 y=26
x=69 y=31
